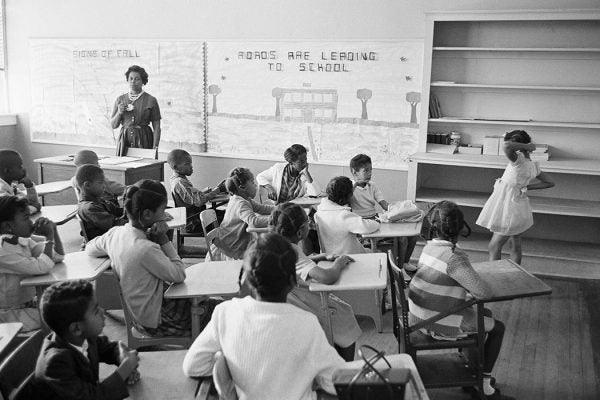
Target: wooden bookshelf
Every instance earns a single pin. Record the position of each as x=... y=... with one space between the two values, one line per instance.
x=500 y=70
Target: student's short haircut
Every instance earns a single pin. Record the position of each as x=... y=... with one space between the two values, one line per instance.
x=64 y=303
x=87 y=173
x=85 y=157
x=9 y=205
x=360 y=161
x=176 y=156
x=518 y=135
x=270 y=264
x=8 y=158
x=294 y=152
x=339 y=190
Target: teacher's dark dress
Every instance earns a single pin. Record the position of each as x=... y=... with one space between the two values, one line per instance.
x=135 y=124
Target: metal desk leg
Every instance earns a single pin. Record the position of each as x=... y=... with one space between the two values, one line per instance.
x=196 y=316
x=327 y=315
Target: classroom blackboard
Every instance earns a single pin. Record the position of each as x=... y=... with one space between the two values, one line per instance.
x=241 y=98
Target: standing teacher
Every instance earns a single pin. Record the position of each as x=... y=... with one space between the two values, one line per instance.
x=134 y=111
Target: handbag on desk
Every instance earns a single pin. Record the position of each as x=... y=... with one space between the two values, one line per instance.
x=403 y=211
x=371 y=383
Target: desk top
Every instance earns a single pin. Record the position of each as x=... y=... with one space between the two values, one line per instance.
x=52 y=187
x=396 y=229
x=8 y=331
x=114 y=163
x=213 y=278
x=368 y=271
x=509 y=281
x=161 y=377
x=57 y=214
x=307 y=201
x=179 y=215
x=76 y=265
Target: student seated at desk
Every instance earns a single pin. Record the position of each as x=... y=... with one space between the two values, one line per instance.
x=97 y=215
x=337 y=224
x=273 y=349
x=290 y=221
x=366 y=196
x=112 y=190
x=14 y=179
x=67 y=367
x=444 y=280
x=145 y=261
x=242 y=211
x=26 y=249
x=194 y=200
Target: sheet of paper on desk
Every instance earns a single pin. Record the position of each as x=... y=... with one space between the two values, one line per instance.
x=119 y=160
x=135 y=164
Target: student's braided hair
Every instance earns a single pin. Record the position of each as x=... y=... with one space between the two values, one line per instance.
x=270 y=265
x=447 y=221
x=145 y=194
x=237 y=179
x=286 y=219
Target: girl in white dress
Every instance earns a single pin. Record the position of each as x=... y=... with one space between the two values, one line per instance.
x=507 y=213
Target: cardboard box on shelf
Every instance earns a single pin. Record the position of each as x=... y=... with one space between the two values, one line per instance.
x=491 y=145
x=470 y=149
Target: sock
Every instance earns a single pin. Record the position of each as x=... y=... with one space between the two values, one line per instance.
x=488 y=390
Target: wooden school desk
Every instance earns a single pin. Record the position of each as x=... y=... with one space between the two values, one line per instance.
x=76 y=265
x=125 y=170
x=395 y=230
x=509 y=280
x=306 y=201
x=367 y=272
x=57 y=214
x=178 y=214
x=213 y=278
x=8 y=331
x=52 y=188
x=161 y=377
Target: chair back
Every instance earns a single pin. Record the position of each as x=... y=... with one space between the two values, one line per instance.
x=82 y=230
x=143 y=153
x=398 y=288
x=20 y=364
x=223 y=379
x=209 y=221
x=136 y=335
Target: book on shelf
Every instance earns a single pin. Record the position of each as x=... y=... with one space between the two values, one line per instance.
x=441 y=148
x=435 y=110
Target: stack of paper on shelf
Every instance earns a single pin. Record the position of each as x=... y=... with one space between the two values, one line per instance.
x=541 y=153
x=435 y=111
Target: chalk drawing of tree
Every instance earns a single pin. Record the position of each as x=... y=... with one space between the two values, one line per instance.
x=214 y=90
x=364 y=95
x=413 y=98
x=277 y=93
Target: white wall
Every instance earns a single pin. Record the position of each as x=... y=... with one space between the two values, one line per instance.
x=223 y=19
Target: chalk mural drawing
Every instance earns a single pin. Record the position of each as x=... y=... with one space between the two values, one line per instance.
x=74 y=84
x=337 y=98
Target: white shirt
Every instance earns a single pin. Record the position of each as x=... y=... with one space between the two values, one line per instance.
x=274 y=350
x=338 y=226
x=142 y=267
x=6 y=189
x=365 y=200
x=274 y=175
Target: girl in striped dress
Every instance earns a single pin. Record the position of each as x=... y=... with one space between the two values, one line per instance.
x=444 y=280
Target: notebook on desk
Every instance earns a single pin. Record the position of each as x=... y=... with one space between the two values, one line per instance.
x=119 y=160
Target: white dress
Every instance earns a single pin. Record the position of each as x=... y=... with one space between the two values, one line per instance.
x=508 y=211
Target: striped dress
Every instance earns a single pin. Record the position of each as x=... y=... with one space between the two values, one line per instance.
x=443 y=281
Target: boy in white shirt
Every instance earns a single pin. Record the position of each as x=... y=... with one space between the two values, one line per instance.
x=367 y=196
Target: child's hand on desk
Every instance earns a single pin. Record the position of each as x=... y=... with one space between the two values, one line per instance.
x=134 y=377
x=129 y=361
x=342 y=261
x=43 y=226
x=158 y=232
